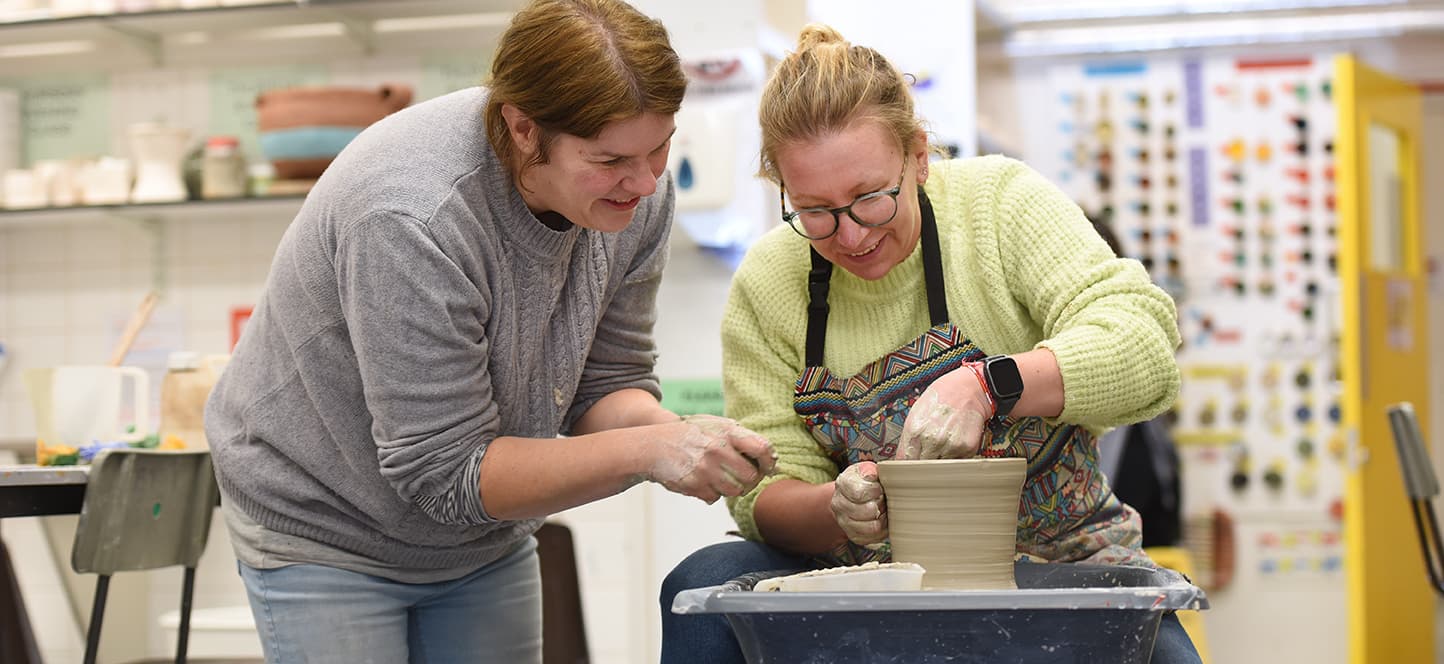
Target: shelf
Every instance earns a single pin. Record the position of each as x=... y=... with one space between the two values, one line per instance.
x=271 y=31
x=199 y=211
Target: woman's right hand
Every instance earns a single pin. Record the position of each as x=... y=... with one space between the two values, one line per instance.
x=712 y=457
x=858 y=504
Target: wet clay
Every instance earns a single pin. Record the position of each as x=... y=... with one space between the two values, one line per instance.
x=958 y=518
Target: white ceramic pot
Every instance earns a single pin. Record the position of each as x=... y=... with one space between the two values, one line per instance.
x=23 y=188
x=61 y=179
x=106 y=181
x=159 y=151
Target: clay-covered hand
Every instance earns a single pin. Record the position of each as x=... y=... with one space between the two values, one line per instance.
x=858 y=504
x=710 y=458
x=948 y=420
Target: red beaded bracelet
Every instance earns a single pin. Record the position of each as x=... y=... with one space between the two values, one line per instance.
x=977 y=368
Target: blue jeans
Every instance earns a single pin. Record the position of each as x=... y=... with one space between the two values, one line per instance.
x=708 y=639
x=320 y=615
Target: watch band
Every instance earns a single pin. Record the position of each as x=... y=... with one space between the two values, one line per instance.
x=1004 y=383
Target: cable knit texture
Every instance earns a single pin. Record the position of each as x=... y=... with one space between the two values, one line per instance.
x=415 y=311
x=1023 y=268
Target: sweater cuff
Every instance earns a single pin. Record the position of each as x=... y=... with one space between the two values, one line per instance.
x=1092 y=391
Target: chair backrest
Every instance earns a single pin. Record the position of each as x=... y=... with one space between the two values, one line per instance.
x=1420 y=482
x=145 y=509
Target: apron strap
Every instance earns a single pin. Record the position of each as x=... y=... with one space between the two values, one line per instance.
x=819 y=282
x=932 y=263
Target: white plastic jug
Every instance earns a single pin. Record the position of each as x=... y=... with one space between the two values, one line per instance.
x=78 y=405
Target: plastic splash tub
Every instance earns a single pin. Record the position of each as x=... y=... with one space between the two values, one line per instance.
x=1061 y=612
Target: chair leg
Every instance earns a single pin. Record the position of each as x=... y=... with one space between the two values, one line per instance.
x=97 y=615
x=183 y=634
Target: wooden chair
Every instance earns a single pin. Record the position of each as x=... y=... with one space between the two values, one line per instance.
x=564 y=636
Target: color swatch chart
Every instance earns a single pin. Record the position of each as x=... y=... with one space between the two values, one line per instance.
x=1217 y=174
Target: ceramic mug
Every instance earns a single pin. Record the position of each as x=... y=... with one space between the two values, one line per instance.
x=62 y=184
x=81 y=404
x=106 y=181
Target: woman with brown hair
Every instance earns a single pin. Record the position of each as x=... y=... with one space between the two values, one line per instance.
x=471 y=277
x=917 y=309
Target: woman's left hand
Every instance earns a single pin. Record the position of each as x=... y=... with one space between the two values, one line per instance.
x=948 y=420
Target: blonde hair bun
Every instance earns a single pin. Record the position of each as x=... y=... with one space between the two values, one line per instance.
x=814 y=34
x=824 y=86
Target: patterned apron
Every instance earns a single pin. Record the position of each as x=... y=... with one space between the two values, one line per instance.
x=1066 y=511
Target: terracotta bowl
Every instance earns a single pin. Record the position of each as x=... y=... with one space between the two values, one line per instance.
x=303 y=128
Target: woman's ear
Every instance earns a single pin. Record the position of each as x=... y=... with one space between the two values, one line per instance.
x=523 y=130
x=920 y=154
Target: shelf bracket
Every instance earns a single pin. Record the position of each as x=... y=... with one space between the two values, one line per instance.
x=360 y=31
x=994 y=18
x=148 y=43
x=155 y=229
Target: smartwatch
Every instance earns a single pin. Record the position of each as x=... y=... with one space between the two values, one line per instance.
x=1004 y=382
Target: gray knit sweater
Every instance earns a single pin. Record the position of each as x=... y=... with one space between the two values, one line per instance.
x=415 y=311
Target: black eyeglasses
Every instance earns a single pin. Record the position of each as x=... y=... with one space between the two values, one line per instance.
x=871 y=210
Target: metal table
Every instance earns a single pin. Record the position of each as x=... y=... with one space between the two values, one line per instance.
x=30 y=490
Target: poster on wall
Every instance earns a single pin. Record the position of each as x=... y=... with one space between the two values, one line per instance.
x=64 y=116
x=692 y=396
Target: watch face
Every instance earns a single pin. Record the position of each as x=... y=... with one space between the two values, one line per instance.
x=1004 y=377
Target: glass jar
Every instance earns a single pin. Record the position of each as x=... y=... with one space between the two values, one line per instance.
x=223 y=168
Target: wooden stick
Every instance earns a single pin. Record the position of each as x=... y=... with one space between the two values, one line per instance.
x=133 y=328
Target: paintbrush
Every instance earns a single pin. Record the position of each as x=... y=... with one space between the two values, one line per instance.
x=133 y=328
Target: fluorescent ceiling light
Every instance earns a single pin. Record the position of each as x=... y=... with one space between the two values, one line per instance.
x=303 y=31
x=1218 y=32
x=453 y=22
x=45 y=49
x=194 y=38
x=1018 y=12
x=334 y=29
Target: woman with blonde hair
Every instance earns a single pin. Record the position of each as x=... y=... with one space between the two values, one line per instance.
x=471 y=277
x=976 y=313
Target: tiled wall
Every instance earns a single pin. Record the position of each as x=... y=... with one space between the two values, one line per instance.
x=68 y=289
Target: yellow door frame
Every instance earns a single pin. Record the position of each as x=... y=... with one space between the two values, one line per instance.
x=1383 y=361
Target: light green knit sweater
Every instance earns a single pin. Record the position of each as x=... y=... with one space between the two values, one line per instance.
x=1023 y=268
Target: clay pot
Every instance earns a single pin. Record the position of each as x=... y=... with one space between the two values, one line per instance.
x=958 y=518
x=302 y=129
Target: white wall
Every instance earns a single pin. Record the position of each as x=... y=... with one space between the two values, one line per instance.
x=934 y=41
